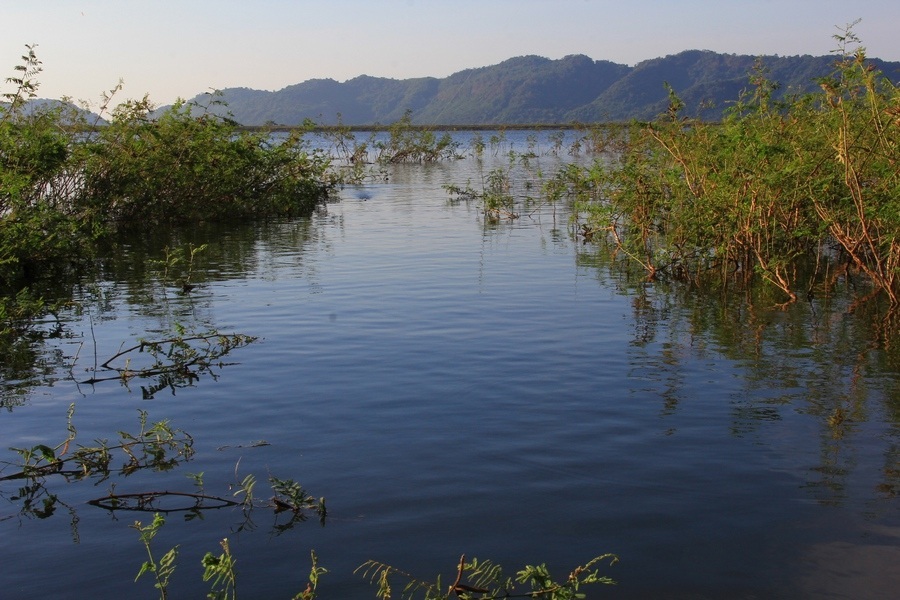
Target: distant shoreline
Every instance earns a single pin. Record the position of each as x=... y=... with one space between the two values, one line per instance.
x=387 y=127
x=317 y=128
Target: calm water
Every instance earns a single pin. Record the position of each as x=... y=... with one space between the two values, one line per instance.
x=499 y=390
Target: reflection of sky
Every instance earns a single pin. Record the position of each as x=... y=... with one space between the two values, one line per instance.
x=170 y=49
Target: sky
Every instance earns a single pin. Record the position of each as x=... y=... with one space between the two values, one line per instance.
x=171 y=49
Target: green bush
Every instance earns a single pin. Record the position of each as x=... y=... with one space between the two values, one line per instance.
x=772 y=187
x=66 y=183
x=180 y=167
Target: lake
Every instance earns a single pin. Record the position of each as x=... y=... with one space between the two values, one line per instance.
x=452 y=385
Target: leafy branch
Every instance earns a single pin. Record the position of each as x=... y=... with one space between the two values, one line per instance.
x=173 y=358
x=156 y=446
x=484 y=580
x=24 y=82
x=163 y=568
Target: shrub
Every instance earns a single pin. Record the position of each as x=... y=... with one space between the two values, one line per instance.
x=182 y=167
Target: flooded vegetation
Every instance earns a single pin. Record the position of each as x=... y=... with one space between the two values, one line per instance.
x=674 y=342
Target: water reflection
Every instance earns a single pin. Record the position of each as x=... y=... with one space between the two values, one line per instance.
x=832 y=359
x=134 y=273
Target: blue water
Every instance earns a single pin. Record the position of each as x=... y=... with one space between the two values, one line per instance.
x=452 y=386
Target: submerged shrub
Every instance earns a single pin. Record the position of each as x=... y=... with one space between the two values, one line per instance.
x=38 y=232
x=766 y=190
x=407 y=144
x=181 y=167
x=66 y=182
x=857 y=194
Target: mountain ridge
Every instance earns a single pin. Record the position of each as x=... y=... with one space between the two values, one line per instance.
x=533 y=89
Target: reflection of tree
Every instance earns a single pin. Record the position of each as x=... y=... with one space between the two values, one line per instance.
x=647 y=317
x=174 y=362
x=230 y=250
x=834 y=359
x=33 y=359
x=890 y=485
x=26 y=362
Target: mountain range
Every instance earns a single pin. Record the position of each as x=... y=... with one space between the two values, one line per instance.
x=533 y=89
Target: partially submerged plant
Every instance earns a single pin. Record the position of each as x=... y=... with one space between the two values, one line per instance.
x=219 y=571
x=495 y=195
x=177 y=266
x=775 y=185
x=155 y=446
x=409 y=144
x=484 y=580
x=175 y=361
x=162 y=568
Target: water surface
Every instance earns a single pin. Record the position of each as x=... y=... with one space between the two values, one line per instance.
x=451 y=386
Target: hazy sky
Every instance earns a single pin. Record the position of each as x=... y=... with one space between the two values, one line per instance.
x=183 y=47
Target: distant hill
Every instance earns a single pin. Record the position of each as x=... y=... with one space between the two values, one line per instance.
x=532 y=89
x=69 y=112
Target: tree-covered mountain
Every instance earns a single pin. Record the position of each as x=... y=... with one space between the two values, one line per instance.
x=532 y=89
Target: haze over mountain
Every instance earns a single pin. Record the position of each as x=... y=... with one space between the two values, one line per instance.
x=532 y=89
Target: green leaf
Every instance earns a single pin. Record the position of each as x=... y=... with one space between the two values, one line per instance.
x=47 y=452
x=147 y=567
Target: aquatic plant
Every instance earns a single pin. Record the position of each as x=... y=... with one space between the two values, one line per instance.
x=175 y=361
x=477 y=146
x=177 y=266
x=496 y=194
x=67 y=182
x=408 y=144
x=219 y=570
x=189 y=164
x=773 y=187
x=156 y=446
x=163 y=568
x=344 y=145
x=484 y=580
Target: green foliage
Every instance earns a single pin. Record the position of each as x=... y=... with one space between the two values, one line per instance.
x=496 y=194
x=188 y=164
x=315 y=572
x=220 y=569
x=163 y=568
x=408 y=144
x=66 y=183
x=773 y=186
x=156 y=446
x=344 y=144
x=245 y=490
x=291 y=499
x=858 y=196
x=177 y=265
x=17 y=313
x=477 y=145
x=484 y=580
x=176 y=361
x=25 y=84
x=36 y=229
